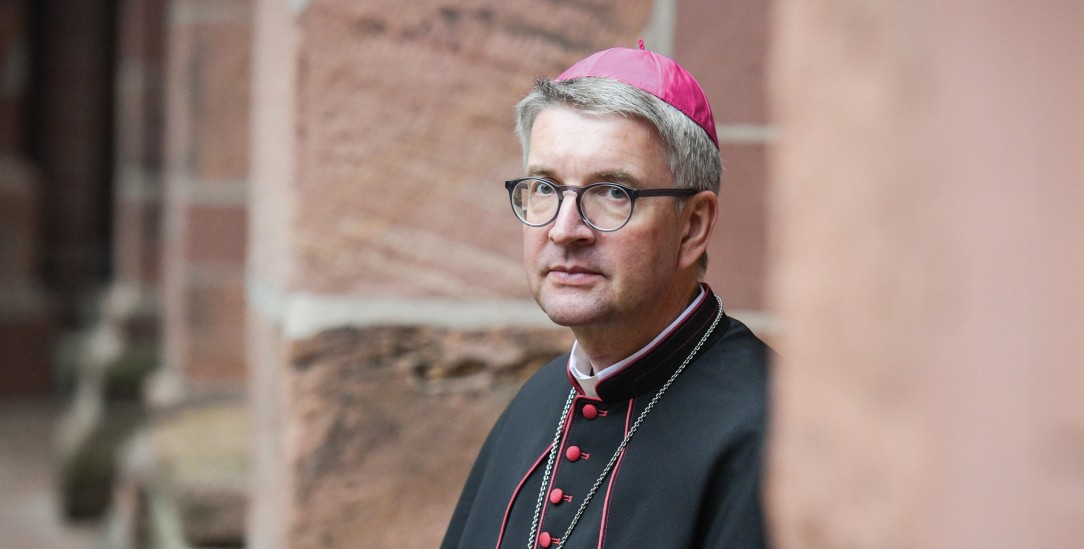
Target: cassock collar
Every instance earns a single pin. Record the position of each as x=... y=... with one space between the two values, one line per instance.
x=651 y=366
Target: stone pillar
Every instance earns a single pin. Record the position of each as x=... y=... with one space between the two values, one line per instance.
x=388 y=318
x=927 y=269
x=206 y=190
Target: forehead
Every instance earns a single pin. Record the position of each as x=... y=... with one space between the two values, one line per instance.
x=572 y=145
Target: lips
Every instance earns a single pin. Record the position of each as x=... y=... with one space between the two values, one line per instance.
x=572 y=274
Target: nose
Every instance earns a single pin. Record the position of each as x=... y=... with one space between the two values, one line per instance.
x=569 y=227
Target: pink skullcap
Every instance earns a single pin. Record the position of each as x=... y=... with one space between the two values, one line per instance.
x=656 y=74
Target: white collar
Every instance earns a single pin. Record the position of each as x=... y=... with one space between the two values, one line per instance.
x=579 y=364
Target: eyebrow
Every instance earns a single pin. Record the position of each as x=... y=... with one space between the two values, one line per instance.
x=607 y=176
x=617 y=176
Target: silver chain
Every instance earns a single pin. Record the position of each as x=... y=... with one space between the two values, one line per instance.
x=620 y=448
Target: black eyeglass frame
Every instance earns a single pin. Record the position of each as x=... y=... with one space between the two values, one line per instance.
x=561 y=189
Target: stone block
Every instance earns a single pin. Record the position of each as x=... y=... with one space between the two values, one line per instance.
x=383 y=423
x=404 y=138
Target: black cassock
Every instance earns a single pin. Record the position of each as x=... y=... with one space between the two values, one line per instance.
x=689 y=477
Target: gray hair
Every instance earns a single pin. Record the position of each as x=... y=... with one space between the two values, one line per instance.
x=693 y=158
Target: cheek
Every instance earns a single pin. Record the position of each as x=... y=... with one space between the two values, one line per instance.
x=649 y=255
x=533 y=241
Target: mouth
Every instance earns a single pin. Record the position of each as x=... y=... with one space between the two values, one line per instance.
x=572 y=275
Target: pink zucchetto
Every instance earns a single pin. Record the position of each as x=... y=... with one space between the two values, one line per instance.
x=656 y=74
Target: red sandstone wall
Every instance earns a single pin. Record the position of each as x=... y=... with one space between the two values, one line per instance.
x=927 y=267
x=382 y=134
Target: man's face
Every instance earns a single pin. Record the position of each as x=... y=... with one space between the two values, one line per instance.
x=583 y=277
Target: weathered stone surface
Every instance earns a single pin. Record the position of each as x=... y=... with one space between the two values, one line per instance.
x=384 y=423
x=382 y=133
x=403 y=138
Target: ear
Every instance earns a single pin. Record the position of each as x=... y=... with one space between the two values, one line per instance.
x=698 y=218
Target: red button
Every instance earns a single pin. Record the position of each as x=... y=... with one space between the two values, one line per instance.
x=544 y=539
x=572 y=453
x=556 y=495
x=590 y=412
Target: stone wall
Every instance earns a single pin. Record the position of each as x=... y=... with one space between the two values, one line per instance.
x=926 y=272
x=382 y=132
x=382 y=135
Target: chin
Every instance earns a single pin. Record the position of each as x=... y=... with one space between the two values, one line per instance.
x=571 y=312
x=568 y=321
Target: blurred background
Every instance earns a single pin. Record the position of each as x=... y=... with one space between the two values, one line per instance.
x=260 y=287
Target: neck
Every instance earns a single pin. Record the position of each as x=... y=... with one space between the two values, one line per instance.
x=611 y=343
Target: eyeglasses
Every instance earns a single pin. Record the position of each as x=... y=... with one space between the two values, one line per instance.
x=603 y=206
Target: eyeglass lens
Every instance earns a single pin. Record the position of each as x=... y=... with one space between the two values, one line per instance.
x=606 y=207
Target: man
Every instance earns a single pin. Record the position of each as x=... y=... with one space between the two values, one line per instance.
x=649 y=433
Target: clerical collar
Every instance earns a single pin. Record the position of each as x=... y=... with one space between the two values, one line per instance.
x=617 y=380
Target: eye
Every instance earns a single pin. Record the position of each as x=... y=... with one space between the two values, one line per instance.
x=543 y=188
x=616 y=193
